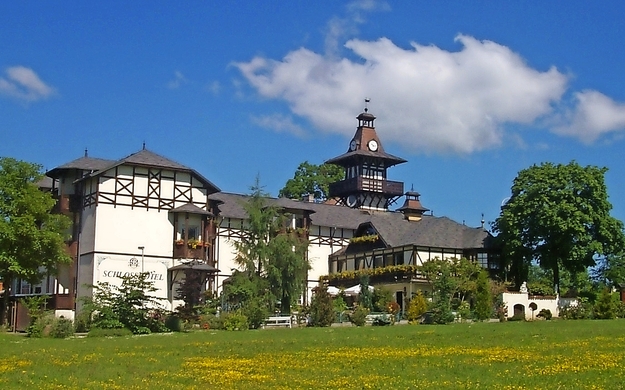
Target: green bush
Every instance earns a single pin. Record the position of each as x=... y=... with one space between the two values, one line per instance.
x=61 y=328
x=620 y=309
x=517 y=317
x=321 y=309
x=82 y=322
x=39 y=317
x=129 y=305
x=604 y=308
x=235 y=321
x=417 y=306
x=545 y=313
x=383 y=320
x=464 y=311
x=41 y=326
x=211 y=321
x=255 y=311
x=173 y=323
x=582 y=310
x=111 y=332
x=359 y=316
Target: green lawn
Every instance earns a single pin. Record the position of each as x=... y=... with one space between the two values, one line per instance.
x=514 y=355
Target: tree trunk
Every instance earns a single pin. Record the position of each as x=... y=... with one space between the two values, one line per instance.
x=556 y=278
x=285 y=305
x=4 y=307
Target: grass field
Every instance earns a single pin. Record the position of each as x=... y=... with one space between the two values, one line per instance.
x=514 y=355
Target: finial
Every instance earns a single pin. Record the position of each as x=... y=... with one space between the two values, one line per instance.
x=86 y=153
x=143 y=145
x=483 y=220
x=367 y=100
x=412 y=187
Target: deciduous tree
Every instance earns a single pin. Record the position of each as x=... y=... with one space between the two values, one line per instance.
x=558 y=216
x=311 y=179
x=32 y=239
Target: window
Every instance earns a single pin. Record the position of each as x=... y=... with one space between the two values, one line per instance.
x=25 y=287
x=194 y=233
x=399 y=258
x=482 y=259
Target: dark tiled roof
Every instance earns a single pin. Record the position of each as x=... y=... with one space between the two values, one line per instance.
x=45 y=183
x=147 y=158
x=190 y=208
x=347 y=158
x=83 y=163
x=322 y=214
x=438 y=232
x=393 y=228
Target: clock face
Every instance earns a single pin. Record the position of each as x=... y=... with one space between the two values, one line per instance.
x=352 y=145
x=373 y=145
x=352 y=201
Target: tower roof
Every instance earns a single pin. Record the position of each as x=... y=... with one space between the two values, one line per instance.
x=365 y=144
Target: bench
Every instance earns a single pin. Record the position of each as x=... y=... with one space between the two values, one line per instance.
x=278 y=321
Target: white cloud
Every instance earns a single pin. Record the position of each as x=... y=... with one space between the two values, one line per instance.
x=593 y=116
x=279 y=123
x=426 y=98
x=178 y=80
x=24 y=84
x=338 y=28
x=213 y=87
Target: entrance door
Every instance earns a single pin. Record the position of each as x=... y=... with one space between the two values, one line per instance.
x=399 y=298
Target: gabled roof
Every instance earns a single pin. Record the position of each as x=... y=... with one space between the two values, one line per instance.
x=190 y=208
x=82 y=163
x=321 y=214
x=430 y=231
x=149 y=159
x=393 y=228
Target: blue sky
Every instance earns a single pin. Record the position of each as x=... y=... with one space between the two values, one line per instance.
x=468 y=92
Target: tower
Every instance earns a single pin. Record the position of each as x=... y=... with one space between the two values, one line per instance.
x=365 y=162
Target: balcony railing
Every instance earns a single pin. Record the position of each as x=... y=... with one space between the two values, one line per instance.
x=190 y=251
x=349 y=186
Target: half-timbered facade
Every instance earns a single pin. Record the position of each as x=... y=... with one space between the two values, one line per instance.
x=146 y=213
x=143 y=213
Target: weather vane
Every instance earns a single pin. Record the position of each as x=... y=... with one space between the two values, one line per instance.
x=367 y=100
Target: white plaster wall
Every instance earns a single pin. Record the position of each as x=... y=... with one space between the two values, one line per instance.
x=84 y=278
x=511 y=299
x=87 y=232
x=111 y=268
x=225 y=254
x=123 y=229
x=106 y=184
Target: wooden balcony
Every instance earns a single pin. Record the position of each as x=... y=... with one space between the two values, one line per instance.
x=67 y=204
x=182 y=251
x=357 y=184
x=61 y=302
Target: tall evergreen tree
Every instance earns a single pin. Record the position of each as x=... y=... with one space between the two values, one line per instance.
x=271 y=252
x=483 y=299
